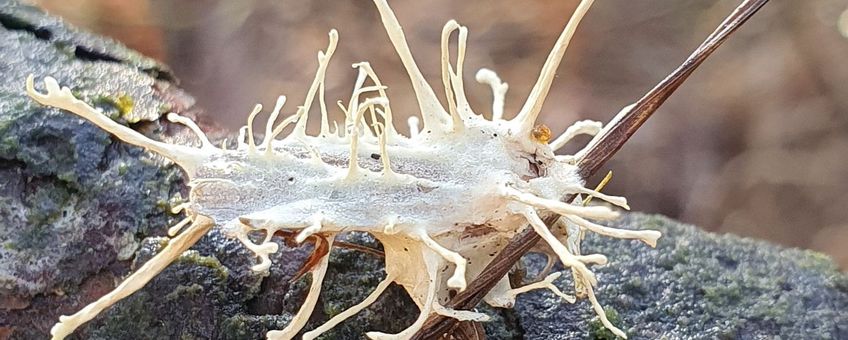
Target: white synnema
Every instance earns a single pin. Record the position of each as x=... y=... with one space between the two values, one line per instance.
x=452 y=194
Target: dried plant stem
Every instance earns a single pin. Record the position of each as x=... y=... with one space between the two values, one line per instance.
x=608 y=144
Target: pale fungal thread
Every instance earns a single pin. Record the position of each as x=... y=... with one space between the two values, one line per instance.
x=451 y=195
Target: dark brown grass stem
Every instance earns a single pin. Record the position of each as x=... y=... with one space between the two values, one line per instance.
x=438 y=326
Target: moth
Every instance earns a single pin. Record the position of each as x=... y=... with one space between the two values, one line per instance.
x=441 y=201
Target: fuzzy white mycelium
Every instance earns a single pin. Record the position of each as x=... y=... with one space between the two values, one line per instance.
x=449 y=195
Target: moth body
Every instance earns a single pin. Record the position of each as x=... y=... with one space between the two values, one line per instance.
x=442 y=201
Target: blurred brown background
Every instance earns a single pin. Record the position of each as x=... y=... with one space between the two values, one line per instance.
x=754 y=144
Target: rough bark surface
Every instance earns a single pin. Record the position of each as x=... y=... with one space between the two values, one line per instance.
x=79 y=210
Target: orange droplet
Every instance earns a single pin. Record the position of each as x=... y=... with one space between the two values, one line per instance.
x=541 y=134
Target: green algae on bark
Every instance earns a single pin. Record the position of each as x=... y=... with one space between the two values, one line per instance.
x=74 y=203
x=702 y=285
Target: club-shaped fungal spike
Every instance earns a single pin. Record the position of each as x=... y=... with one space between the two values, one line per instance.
x=251 y=140
x=384 y=153
x=204 y=141
x=597 y=138
x=358 y=90
x=583 y=127
x=447 y=30
x=414 y=128
x=186 y=157
x=241 y=140
x=366 y=128
x=526 y=118
x=450 y=196
x=454 y=88
x=432 y=112
x=462 y=106
x=320 y=76
x=499 y=88
x=325 y=116
x=650 y=237
x=615 y=200
x=381 y=90
x=175 y=229
x=269 y=127
x=355 y=129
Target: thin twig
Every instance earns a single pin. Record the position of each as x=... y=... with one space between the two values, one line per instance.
x=607 y=146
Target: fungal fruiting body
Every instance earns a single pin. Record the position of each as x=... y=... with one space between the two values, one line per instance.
x=442 y=201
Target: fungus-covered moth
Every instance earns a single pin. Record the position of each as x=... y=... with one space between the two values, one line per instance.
x=449 y=195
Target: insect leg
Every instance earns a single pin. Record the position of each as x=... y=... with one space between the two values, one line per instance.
x=616 y=200
x=384 y=152
x=570 y=260
x=305 y=311
x=599 y=310
x=457 y=280
x=354 y=127
x=558 y=207
x=549 y=265
x=462 y=315
x=432 y=261
x=352 y=310
x=546 y=283
x=176 y=246
x=567 y=258
x=463 y=108
x=650 y=237
x=321 y=248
